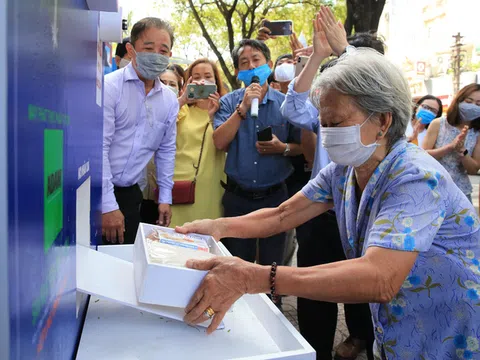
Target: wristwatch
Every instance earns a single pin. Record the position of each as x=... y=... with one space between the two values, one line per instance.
x=287 y=150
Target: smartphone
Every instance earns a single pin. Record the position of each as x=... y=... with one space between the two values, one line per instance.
x=265 y=134
x=279 y=28
x=195 y=91
x=301 y=62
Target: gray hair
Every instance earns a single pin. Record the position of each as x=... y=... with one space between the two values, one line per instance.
x=373 y=83
x=149 y=22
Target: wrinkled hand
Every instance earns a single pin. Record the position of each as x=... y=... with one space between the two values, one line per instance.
x=334 y=30
x=321 y=46
x=228 y=279
x=213 y=228
x=306 y=51
x=251 y=92
x=183 y=99
x=274 y=146
x=164 y=215
x=213 y=104
x=264 y=32
x=113 y=226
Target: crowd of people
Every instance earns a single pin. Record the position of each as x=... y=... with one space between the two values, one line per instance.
x=382 y=226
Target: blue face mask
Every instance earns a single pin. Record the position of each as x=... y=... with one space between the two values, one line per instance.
x=468 y=112
x=263 y=72
x=425 y=116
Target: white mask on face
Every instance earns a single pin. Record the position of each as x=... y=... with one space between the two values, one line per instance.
x=285 y=72
x=124 y=62
x=344 y=144
x=174 y=89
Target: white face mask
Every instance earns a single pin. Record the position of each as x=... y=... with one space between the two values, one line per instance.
x=344 y=144
x=174 y=89
x=285 y=72
x=124 y=62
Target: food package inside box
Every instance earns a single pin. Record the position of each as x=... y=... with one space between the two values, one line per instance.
x=170 y=248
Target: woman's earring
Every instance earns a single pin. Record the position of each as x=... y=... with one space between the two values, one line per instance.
x=380 y=133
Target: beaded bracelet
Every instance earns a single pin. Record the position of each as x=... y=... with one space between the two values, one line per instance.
x=239 y=113
x=273 y=274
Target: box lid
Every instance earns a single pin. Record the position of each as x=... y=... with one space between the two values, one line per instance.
x=113 y=278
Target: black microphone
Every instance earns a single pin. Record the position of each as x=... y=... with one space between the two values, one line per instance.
x=254 y=108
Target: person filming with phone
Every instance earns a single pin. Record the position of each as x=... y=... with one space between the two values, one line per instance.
x=259 y=142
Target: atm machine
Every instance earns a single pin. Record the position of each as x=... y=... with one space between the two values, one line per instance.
x=51 y=97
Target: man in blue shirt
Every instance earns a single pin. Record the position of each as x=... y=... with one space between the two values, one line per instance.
x=256 y=170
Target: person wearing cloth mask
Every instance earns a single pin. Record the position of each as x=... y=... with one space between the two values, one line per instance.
x=173 y=79
x=313 y=251
x=140 y=115
x=453 y=140
x=197 y=159
x=412 y=237
x=284 y=71
x=426 y=110
x=256 y=171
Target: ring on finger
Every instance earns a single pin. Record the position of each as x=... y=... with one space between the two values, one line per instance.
x=209 y=312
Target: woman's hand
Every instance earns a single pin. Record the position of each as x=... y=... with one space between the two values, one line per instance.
x=459 y=142
x=321 y=46
x=228 y=279
x=214 y=228
x=213 y=104
x=334 y=30
x=183 y=99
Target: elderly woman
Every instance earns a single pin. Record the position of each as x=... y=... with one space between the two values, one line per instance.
x=411 y=236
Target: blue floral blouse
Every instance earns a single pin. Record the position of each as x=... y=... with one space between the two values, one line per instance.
x=411 y=204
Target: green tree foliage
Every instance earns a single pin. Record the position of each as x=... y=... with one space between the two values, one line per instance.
x=212 y=28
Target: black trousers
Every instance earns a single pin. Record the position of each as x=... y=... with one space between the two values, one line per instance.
x=129 y=200
x=270 y=249
x=149 y=212
x=319 y=243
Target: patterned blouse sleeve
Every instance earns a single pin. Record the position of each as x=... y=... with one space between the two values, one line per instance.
x=411 y=211
x=319 y=189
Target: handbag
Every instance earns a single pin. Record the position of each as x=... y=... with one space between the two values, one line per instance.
x=183 y=191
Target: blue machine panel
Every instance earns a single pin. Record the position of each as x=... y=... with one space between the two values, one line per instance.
x=54 y=146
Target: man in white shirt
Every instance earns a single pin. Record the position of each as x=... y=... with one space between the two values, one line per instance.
x=139 y=121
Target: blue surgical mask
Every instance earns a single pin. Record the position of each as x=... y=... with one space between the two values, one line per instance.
x=425 y=116
x=151 y=65
x=263 y=72
x=468 y=112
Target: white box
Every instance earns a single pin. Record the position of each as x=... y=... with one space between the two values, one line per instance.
x=254 y=330
x=165 y=285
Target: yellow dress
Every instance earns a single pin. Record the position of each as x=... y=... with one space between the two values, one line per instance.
x=208 y=192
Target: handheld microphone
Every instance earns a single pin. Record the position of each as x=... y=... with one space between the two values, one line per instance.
x=254 y=107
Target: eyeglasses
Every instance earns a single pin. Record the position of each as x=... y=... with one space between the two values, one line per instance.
x=429 y=108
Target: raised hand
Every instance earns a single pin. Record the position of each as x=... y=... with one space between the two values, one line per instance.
x=334 y=30
x=321 y=46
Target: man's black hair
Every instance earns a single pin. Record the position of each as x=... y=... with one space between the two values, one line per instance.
x=258 y=45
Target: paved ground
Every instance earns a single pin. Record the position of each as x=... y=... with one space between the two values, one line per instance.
x=290 y=303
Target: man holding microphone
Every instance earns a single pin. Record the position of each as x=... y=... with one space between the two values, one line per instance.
x=256 y=170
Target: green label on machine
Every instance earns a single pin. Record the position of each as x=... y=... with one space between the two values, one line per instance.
x=53 y=185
